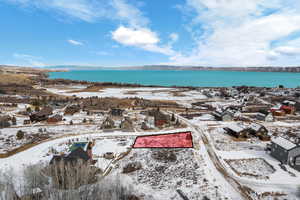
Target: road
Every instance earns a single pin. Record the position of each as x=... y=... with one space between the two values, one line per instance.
x=198 y=131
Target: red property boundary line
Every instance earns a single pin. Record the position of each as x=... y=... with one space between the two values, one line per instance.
x=164 y=134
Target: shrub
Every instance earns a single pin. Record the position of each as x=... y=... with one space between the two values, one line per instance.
x=20 y=135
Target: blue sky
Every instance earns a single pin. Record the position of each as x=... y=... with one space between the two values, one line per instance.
x=143 y=32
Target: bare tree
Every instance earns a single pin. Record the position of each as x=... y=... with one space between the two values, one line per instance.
x=37 y=185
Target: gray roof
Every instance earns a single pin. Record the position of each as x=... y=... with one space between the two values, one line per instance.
x=284 y=143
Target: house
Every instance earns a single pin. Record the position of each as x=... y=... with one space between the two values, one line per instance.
x=144 y=126
x=72 y=109
x=55 y=119
x=26 y=121
x=269 y=118
x=289 y=107
x=260 y=116
x=41 y=115
x=160 y=119
x=260 y=131
x=238 y=130
x=226 y=116
x=116 y=112
x=108 y=123
x=127 y=125
x=4 y=121
x=286 y=152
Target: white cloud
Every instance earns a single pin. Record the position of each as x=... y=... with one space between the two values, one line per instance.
x=240 y=32
x=74 y=42
x=141 y=38
x=29 y=59
x=135 y=37
x=129 y=13
x=89 y=10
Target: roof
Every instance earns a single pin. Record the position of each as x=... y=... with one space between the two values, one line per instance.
x=236 y=128
x=289 y=102
x=284 y=143
x=77 y=145
x=255 y=126
x=79 y=153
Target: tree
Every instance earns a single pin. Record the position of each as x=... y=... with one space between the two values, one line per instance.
x=281 y=86
x=84 y=120
x=173 y=118
x=20 y=135
x=37 y=185
x=14 y=121
x=71 y=122
x=28 y=109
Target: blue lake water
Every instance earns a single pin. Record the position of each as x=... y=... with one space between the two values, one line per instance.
x=185 y=78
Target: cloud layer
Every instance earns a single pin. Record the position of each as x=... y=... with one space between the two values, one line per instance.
x=239 y=32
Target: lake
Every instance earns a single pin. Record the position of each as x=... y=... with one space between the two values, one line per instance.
x=184 y=78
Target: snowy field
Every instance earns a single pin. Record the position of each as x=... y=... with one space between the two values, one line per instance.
x=140 y=92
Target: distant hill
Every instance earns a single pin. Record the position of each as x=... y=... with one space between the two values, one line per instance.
x=170 y=67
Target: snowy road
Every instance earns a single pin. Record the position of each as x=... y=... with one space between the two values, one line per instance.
x=221 y=173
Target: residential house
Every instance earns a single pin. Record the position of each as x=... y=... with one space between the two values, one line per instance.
x=260 y=116
x=238 y=130
x=286 y=152
x=55 y=119
x=259 y=131
x=41 y=115
x=116 y=112
x=127 y=125
x=5 y=121
x=108 y=123
x=160 y=119
x=288 y=107
x=269 y=118
x=226 y=116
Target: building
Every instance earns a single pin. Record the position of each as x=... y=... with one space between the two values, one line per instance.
x=259 y=131
x=108 y=123
x=286 y=152
x=160 y=119
x=238 y=130
x=5 y=121
x=225 y=116
x=260 y=116
x=116 y=112
x=269 y=118
x=127 y=125
x=41 y=115
x=55 y=119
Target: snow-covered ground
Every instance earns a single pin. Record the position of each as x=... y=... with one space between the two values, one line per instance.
x=141 y=92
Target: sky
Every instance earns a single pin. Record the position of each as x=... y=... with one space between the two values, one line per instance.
x=221 y=33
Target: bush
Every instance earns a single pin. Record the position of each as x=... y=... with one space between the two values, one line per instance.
x=20 y=135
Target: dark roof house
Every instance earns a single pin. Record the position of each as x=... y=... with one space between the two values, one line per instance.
x=286 y=152
x=41 y=115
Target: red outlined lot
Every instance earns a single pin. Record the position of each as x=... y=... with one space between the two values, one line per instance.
x=172 y=140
